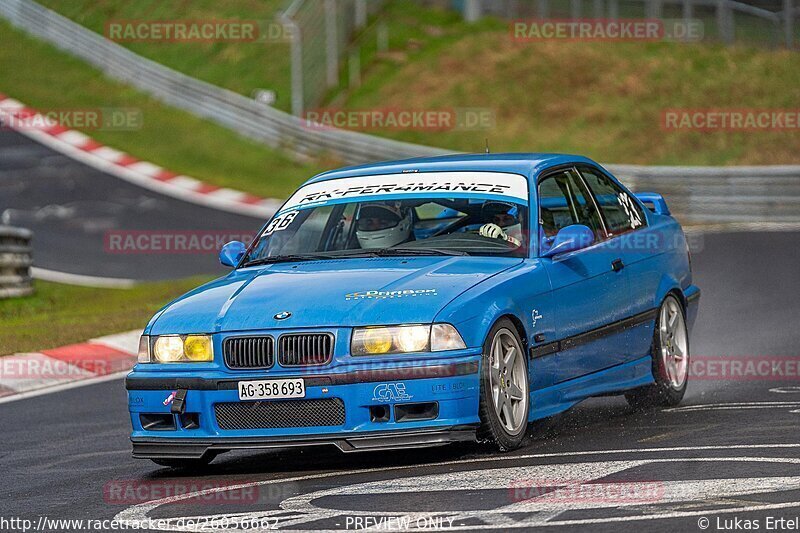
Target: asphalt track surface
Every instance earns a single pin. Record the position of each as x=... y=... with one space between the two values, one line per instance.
x=730 y=452
x=76 y=212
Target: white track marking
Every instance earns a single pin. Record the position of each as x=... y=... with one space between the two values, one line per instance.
x=733 y=406
x=11 y=105
x=81 y=280
x=108 y=153
x=127 y=341
x=228 y=194
x=259 y=210
x=65 y=386
x=143 y=167
x=73 y=138
x=186 y=182
x=786 y=390
x=140 y=511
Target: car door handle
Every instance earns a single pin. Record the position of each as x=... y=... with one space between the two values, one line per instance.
x=617 y=265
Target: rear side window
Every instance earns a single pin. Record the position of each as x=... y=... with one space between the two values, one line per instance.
x=620 y=211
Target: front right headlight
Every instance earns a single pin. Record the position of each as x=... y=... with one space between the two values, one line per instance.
x=175 y=349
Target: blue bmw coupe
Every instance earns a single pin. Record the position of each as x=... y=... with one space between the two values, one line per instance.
x=422 y=302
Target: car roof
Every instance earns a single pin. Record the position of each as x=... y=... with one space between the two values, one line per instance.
x=527 y=164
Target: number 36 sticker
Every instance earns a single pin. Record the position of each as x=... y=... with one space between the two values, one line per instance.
x=280 y=223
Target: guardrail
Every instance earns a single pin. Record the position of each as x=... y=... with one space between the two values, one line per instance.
x=695 y=194
x=719 y=195
x=231 y=110
x=15 y=262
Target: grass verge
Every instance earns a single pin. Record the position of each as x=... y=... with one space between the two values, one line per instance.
x=64 y=314
x=602 y=99
x=47 y=79
x=240 y=66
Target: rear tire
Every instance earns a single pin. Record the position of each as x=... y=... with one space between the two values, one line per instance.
x=670 y=359
x=504 y=394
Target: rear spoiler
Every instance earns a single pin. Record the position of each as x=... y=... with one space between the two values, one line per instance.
x=654 y=201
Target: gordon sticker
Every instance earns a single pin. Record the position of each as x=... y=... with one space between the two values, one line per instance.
x=384 y=295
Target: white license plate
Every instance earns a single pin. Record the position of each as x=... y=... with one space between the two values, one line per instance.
x=272 y=389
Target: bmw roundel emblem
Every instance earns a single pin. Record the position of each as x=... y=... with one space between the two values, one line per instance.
x=283 y=315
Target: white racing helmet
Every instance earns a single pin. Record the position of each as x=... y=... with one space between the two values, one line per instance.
x=382 y=226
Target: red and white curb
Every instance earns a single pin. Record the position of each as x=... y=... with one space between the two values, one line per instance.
x=83 y=148
x=31 y=374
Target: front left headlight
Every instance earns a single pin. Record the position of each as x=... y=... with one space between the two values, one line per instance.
x=176 y=349
x=387 y=340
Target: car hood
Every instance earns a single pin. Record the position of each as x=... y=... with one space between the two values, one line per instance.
x=346 y=292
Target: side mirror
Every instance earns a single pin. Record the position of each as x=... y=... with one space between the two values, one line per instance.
x=569 y=239
x=232 y=253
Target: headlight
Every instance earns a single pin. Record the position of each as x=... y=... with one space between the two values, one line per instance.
x=198 y=348
x=180 y=349
x=405 y=339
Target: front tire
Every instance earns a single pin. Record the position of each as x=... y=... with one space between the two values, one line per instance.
x=504 y=394
x=670 y=359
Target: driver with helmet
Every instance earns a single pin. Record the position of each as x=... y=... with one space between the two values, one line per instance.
x=386 y=224
x=383 y=225
x=505 y=223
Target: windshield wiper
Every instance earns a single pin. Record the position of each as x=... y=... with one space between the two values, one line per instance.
x=378 y=252
x=285 y=259
x=419 y=251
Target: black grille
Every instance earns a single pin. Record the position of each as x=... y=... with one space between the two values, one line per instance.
x=284 y=414
x=249 y=352
x=305 y=349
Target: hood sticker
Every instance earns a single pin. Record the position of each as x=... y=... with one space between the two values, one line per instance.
x=385 y=295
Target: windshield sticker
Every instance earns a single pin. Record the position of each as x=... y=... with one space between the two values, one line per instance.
x=280 y=223
x=510 y=187
x=383 y=295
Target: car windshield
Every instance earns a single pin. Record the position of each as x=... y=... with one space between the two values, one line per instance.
x=482 y=214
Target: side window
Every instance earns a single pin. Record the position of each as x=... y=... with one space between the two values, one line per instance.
x=621 y=212
x=563 y=201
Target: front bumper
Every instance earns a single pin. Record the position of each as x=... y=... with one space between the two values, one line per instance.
x=451 y=386
x=149 y=448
